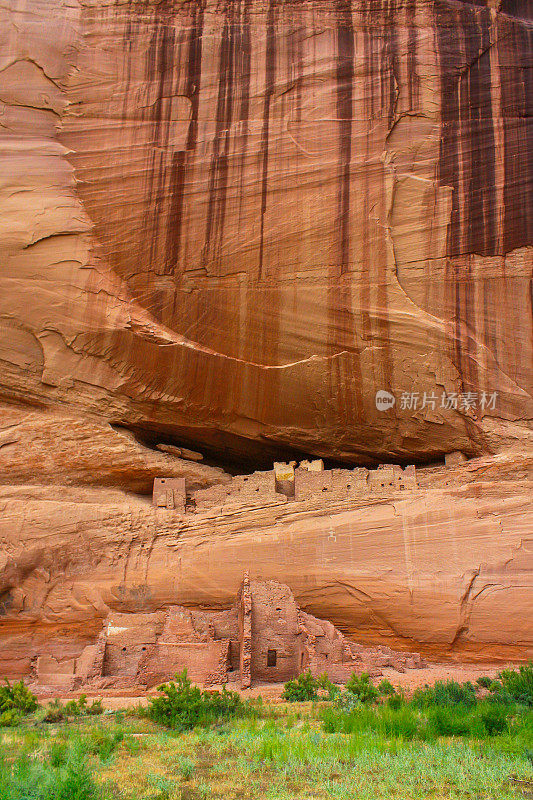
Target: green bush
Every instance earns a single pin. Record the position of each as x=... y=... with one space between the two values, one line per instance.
x=327 y=686
x=75 y=708
x=491 y=719
x=445 y=693
x=448 y=721
x=361 y=688
x=346 y=702
x=52 y=712
x=181 y=705
x=302 y=688
x=405 y=723
x=385 y=688
x=95 y=708
x=396 y=700
x=10 y=718
x=518 y=684
x=485 y=719
x=17 y=697
x=484 y=681
x=102 y=742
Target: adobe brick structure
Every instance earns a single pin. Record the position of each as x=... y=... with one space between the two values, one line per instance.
x=264 y=638
x=169 y=493
x=307 y=482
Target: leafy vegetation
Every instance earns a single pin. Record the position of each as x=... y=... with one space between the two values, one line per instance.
x=445 y=693
x=519 y=684
x=54 y=778
x=300 y=689
x=182 y=705
x=361 y=688
x=17 y=698
x=188 y=744
x=55 y=711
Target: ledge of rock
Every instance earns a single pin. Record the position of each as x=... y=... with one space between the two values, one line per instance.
x=42 y=447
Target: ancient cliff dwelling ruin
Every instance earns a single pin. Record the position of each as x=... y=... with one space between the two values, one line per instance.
x=287 y=482
x=264 y=638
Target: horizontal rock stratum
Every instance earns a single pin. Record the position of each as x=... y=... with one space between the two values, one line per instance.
x=234 y=222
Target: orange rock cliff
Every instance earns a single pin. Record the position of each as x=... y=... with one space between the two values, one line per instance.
x=266 y=231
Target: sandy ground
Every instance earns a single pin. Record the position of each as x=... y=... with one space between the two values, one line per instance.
x=411 y=679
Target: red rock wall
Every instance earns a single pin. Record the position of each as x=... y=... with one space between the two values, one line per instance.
x=266 y=212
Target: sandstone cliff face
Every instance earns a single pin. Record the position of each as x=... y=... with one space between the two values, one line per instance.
x=227 y=224
x=235 y=221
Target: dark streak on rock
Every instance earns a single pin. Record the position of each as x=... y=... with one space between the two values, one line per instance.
x=345 y=76
x=468 y=128
x=270 y=73
x=413 y=81
x=218 y=172
x=181 y=159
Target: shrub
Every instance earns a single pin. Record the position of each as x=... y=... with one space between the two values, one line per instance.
x=518 y=684
x=302 y=688
x=491 y=718
x=327 y=686
x=396 y=700
x=17 y=697
x=404 y=723
x=102 y=742
x=484 y=681
x=385 y=688
x=485 y=719
x=346 y=702
x=181 y=705
x=68 y=779
x=445 y=693
x=95 y=708
x=10 y=718
x=361 y=688
x=53 y=712
x=72 y=709
x=448 y=721
x=58 y=753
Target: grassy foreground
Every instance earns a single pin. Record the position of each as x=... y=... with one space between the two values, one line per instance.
x=337 y=748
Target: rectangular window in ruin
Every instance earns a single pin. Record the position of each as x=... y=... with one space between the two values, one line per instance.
x=272 y=658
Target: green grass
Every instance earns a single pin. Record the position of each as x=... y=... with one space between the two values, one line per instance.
x=255 y=758
x=449 y=742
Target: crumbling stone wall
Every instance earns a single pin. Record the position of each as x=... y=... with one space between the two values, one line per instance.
x=276 y=636
x=265 y=635
x=169 y=493
x=245 y=632
x=309 y=481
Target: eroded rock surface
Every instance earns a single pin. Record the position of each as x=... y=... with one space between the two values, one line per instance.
x=225 y=226
x=236 y=221
x=39 y=447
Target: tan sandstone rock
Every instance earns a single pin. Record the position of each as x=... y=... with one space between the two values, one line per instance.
x=235 y=222
x=227 y=225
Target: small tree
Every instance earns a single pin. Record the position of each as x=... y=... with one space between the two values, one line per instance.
x=17 y=697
